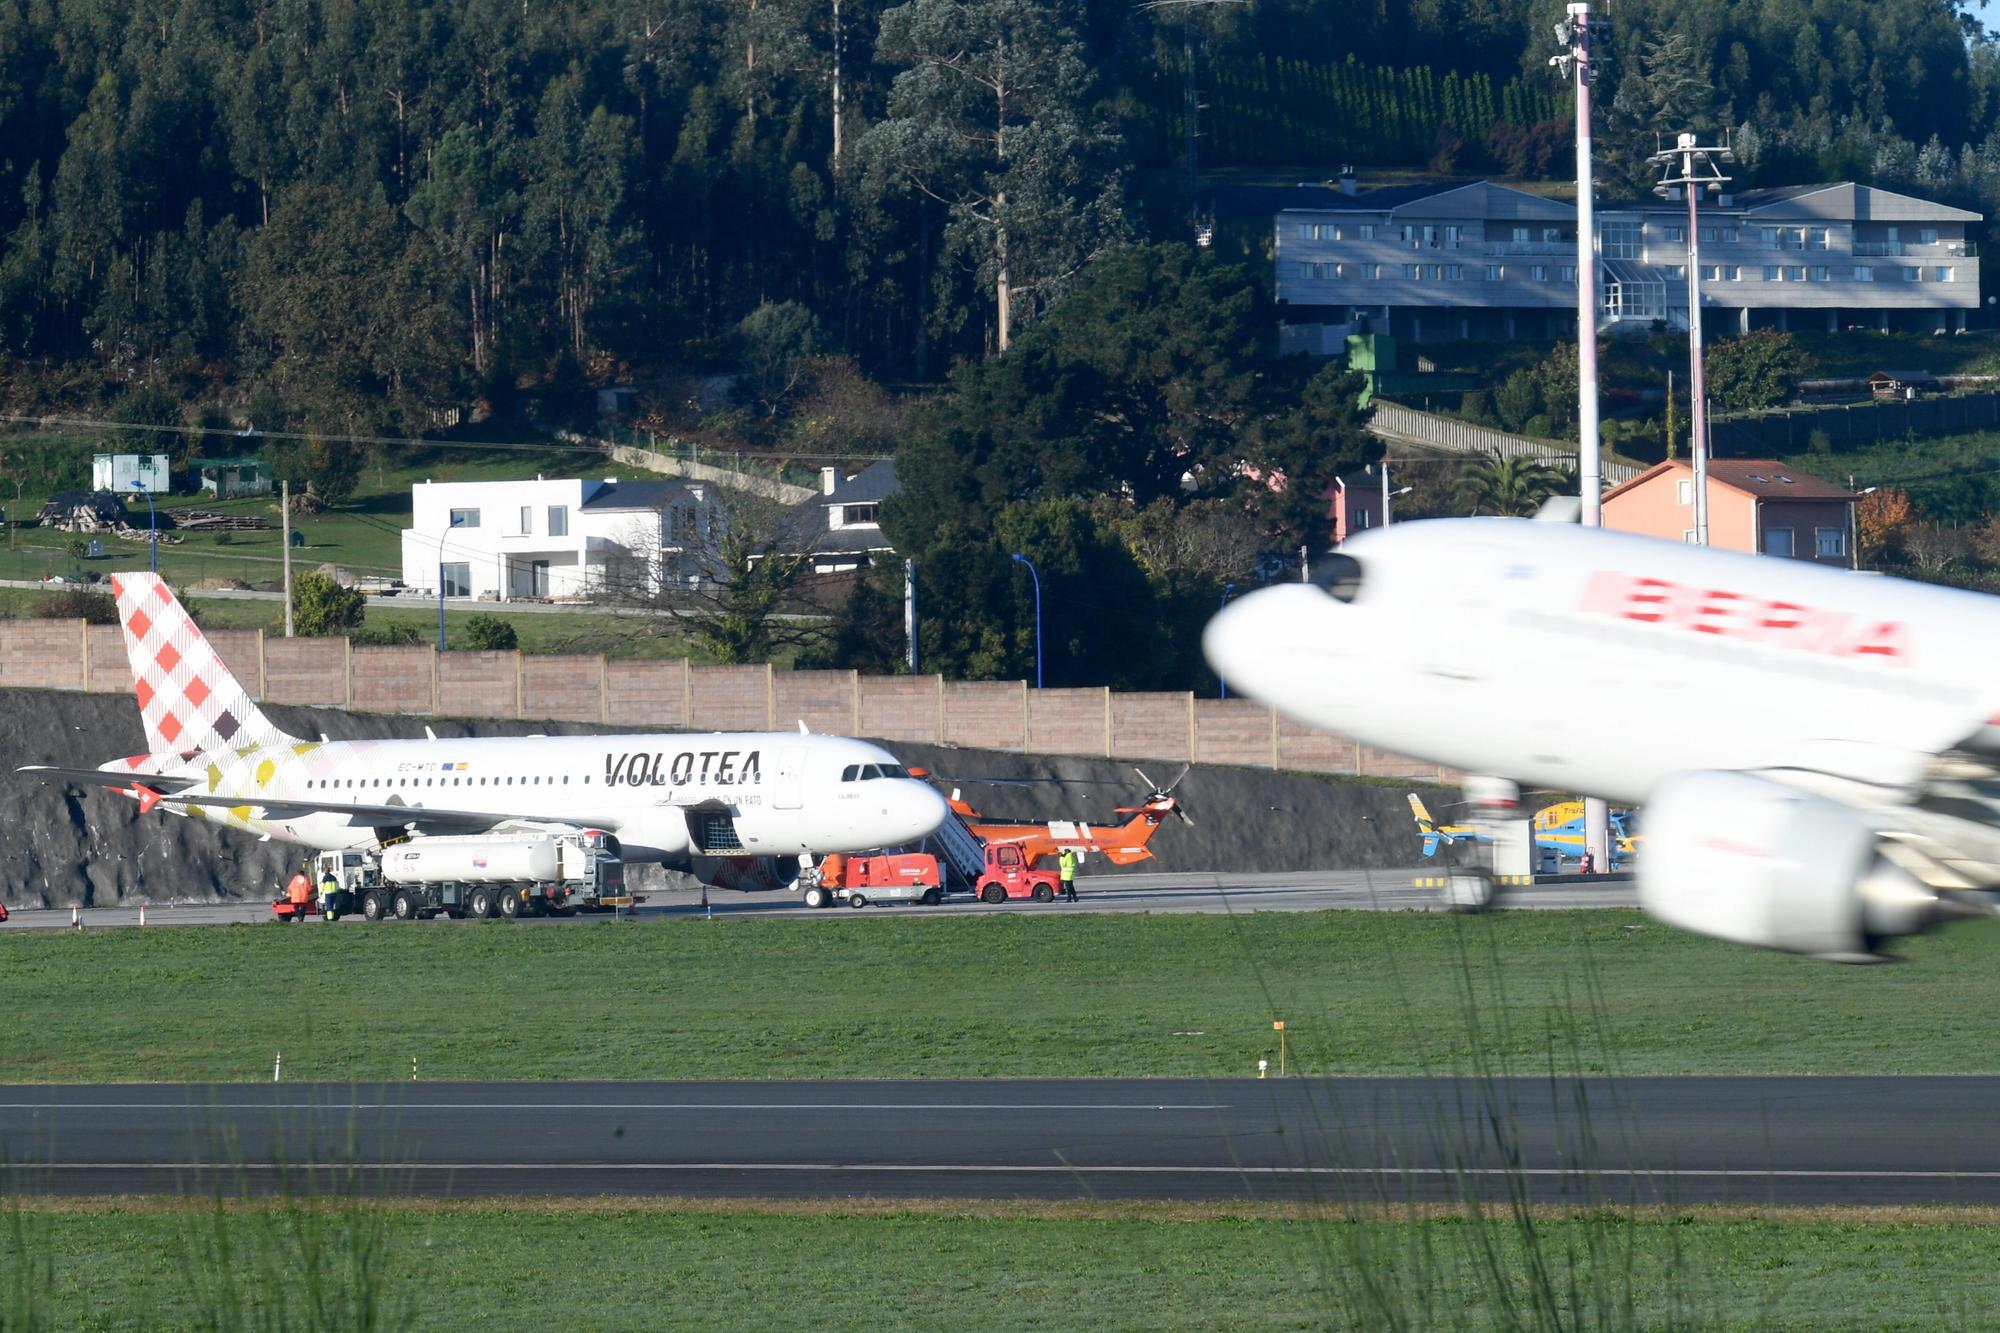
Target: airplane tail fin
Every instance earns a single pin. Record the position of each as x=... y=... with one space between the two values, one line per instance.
x=1430 y=844
x=1425 y=824
x=188 y=701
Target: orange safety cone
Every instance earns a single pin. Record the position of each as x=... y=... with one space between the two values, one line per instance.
x=142 y=914
x=75 y=921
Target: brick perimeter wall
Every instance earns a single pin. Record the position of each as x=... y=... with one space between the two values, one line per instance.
x=564 y=688
x=673 y=695
x=985 y=714
x=647 y=695
x=392 y=680
x=729 y=698
x=902 y=708
x=478 y=684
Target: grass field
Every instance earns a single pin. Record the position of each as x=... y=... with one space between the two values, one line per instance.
x=603 y=1265
x=1021 y=994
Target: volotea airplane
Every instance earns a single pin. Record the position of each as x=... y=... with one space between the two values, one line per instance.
x=736 y=808
x=1818 y=751
x=1557 y=828
x=1121 y=844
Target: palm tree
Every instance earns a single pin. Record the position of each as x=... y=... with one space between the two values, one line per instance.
x=1512 y=485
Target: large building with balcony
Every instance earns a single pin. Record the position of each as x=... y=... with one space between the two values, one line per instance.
x=1478 y=260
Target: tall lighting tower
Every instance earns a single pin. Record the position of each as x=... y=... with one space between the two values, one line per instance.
x=1573 y=34
x=1692 y=168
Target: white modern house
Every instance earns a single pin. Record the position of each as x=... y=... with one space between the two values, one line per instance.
x=554 y=538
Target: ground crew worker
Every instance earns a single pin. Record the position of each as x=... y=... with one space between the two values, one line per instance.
x=832 y=869
x=1067 y=865
x=329 y=891
x=299 y=892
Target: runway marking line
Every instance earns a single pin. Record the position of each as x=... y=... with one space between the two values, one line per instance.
x=860 y=1168
x=614 y=1106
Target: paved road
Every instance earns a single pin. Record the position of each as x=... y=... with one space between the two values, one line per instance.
x=1385 y=890
x=1777 y=1141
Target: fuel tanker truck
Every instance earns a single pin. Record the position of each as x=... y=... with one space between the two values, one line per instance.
x=554 y=873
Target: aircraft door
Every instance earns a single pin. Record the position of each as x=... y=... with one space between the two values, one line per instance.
x=787 y=783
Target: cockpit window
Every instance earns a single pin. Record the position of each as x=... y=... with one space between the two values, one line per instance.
x=850 y=773
x=870 y=771
x=1339 y=576
x=894 y=771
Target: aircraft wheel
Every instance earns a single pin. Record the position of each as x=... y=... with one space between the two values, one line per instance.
x=931 y=897
x=1469 y=891
x=1044 y=894
x=404 y=905
x=817 y=897
x=992 y=893
x=510 y=903
x=856 y=900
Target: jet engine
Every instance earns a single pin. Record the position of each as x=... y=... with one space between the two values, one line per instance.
x=1753 y=861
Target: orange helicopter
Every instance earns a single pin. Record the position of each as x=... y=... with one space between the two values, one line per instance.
x=1122 y=845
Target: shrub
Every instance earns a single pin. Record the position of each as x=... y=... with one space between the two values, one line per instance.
x=98 y=608
x=321 y=605
x=490 y=633
x=387 y=636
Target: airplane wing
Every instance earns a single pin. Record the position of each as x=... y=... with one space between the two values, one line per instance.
x=431 y=819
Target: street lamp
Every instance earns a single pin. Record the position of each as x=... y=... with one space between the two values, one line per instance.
x=1691 y=168
x=152 y=522
x=1227 y=588
x=441 y=539
x=1036 y=576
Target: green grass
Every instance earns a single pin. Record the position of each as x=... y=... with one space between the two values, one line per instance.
x=605 y=1266
x=1021 y=994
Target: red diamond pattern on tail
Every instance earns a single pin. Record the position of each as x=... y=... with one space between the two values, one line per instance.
x=188 y=701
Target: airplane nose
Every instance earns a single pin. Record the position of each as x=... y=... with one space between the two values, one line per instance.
x=922 y=809
x=1257 y=643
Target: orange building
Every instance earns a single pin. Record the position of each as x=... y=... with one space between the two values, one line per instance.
x=1754 y=504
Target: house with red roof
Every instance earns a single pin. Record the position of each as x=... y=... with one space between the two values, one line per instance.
x=1754 y=504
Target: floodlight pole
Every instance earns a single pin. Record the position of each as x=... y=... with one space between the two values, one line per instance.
x=910 y=613
x=152 y=522
x=1692 y=167
x=285 y=513
x=1575 y=33
x=1036 y=575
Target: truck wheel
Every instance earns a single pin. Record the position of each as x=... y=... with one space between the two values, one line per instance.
x=1044 y=894
x=992 y=893
x=856 y=900
x=510 y=903
x=374 y=905
x=931 y=897
x=404 y=905
x=482 y=903
x=817 y=897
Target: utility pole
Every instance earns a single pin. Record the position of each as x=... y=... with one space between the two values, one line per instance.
x=910 y=611
x=1692 y=168
x=1573 y=33
x=285 y=511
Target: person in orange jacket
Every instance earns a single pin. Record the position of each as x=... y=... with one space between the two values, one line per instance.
x=832 y=870
x=299 y=891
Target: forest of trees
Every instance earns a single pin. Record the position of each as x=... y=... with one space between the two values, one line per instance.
x=366 y=209
x=350 y=217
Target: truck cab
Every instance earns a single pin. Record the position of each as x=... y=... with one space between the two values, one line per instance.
x=1007 y=874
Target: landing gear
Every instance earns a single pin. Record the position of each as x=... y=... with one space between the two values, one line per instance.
x=1500 y=839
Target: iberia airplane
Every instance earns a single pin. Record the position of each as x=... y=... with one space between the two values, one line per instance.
x=1122 y=845
x=736 y=808
x=1817 y=751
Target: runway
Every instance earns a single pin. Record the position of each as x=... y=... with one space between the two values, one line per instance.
x=1309 y=891
x=1754 y=1140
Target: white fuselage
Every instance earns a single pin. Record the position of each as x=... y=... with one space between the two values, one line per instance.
x=1602 y=662
x=788 y=793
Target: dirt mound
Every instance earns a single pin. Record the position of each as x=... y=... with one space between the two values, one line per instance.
x=67 y=844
